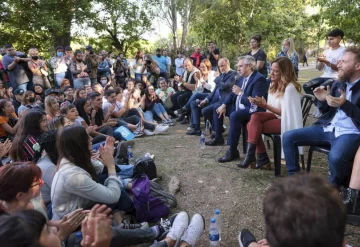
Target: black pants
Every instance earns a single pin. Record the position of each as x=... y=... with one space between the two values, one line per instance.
x=180 y=99
x=106 y=130
x=316 y=82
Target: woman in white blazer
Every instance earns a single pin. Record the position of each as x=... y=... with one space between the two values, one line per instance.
x=283 y=111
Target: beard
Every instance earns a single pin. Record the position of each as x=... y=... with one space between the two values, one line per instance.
x=345 y=76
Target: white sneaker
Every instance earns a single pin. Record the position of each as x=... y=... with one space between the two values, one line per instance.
x=148 y=132
x=194 y=231
x=160 y=129
x=178 y=227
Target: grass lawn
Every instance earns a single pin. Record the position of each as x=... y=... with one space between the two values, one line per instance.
x=205 y=185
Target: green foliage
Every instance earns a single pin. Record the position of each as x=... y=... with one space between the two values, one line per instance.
x=122 y=22
x=343 y=14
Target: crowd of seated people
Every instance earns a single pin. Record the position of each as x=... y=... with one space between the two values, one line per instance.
x=61 y=139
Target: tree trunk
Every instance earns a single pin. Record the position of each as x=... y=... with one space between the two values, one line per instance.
x=185 y=23
x=174 y=24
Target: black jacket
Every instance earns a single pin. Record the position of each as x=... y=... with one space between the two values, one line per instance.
x=351 y=109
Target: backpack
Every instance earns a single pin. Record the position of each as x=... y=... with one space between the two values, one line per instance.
x=157 y=190
x=145 y=165
x=147 y=207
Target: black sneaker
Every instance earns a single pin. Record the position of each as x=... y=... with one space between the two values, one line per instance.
x=194 y=132
x=180 y=118
x=246 y=238
x=164 y=227
x=182 y=110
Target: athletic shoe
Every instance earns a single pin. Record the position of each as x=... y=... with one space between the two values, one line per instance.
x=246 y=238
x=178 y=227
x=182 y=110
x=170 y=122
x=138 y=133
x=195 y=229
x=165 y=122
x=191 y=127
x=164 y=227
x=126 y=225
x=148 y=132
x=160 y=129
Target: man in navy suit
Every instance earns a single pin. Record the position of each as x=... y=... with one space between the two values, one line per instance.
x=338 y=126
x=224 y=83
x=251 y=83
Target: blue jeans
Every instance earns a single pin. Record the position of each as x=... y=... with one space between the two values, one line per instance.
x=194 y=97
x=138 y=76
x=340 y=158
x=22 y=86
x=158 y=109
x=81 y=82
x=59 y=77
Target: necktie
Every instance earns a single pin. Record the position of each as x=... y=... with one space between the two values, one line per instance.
x=238 y=98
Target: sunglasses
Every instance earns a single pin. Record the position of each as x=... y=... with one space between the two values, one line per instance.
x=40 y=182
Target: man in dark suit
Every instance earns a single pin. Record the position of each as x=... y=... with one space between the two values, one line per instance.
x=251 y=83
x=339 y=125
x=224 y=83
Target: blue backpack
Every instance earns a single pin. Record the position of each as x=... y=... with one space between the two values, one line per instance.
x=148 y=208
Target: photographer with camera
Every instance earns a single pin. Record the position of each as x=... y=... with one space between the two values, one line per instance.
x=153 y=70
x=91 y=61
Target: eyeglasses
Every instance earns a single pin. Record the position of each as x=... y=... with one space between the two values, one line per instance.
x=40 y=182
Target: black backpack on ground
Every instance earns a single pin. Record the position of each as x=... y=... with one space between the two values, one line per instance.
x=145 y=165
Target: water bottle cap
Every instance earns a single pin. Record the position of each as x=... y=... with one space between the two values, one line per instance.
x=212 y=220
x=217 y=211
x=78 y=235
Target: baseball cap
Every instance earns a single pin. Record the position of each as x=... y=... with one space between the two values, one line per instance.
x=88 y=47
x=50 y=91
x=19 y=91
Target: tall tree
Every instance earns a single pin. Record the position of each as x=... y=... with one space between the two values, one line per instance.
x=44 y=23
x=168 y=13
x=122 y=22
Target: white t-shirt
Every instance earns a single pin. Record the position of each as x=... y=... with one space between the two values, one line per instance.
x=333 y=56
x=106 y=106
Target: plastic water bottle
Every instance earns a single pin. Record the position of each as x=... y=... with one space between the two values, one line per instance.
x=253 y=108
x=202 y=141
x=214 y=236
x=207 y=125
x=218 y=221
x=130 y=156
x=78 y=238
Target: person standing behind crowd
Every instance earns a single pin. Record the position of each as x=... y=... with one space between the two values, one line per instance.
x=213 y=54
x=328 y=62
x=288 y=50
x=91 y=61
x=162 y=62
x=197 y=57
x=79 y=71
x=179 y=64
x=120 y=71
x=137 y=66
x=305 y=60
x=59 y=64
x=168 y=61
x=258 y=54
x=152 y=69
x=39 y=69
x=14 y=63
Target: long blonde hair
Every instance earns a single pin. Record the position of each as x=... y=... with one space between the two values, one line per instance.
x=288 y=76
x=290 y=41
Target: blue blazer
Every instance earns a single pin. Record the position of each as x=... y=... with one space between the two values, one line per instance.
x=256 y=86
x=223 y=86
x=351 y=109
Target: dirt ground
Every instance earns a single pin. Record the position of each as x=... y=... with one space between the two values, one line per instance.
x=205 y=185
